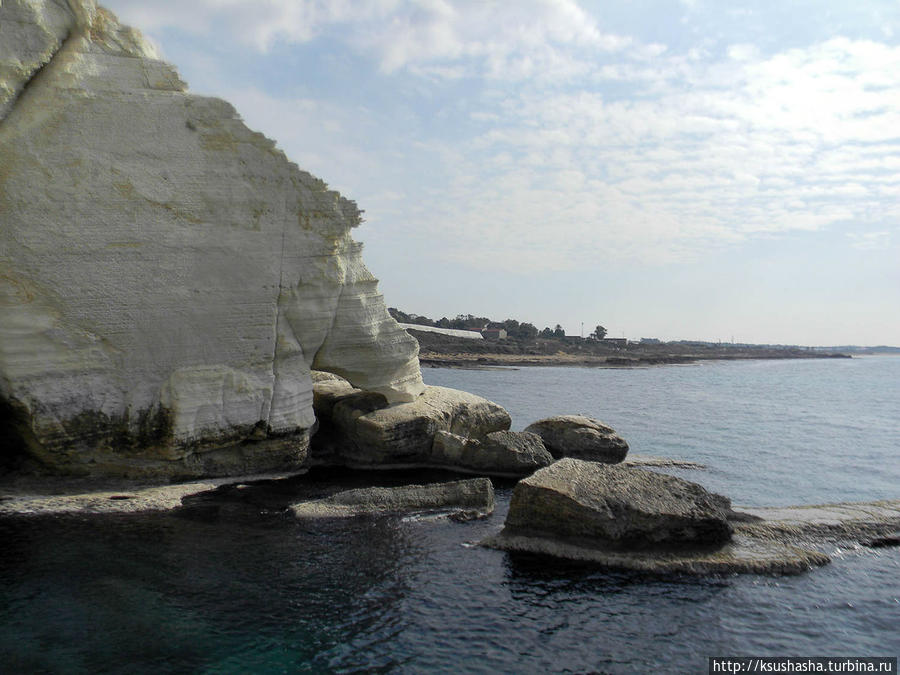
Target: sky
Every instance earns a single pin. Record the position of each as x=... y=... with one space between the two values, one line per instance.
x=677 y=169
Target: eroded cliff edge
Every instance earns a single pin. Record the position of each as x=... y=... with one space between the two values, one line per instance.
x=167 y=277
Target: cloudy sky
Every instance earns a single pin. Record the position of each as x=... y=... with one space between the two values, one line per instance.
x=690 y=169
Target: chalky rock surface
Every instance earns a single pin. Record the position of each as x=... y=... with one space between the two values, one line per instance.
x=167 y=277
x=580 y=437
x=360 y=429
x=617 y=506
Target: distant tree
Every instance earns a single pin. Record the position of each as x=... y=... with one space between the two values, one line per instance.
x=420 y=320
x=547 y=332
x=402 y=317
x=559 y=332
x=527 y=331
x=459 y=323
x=443 y=322
x=599 y=332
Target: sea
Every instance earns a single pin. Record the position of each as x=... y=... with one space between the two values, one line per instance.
x=232 y=584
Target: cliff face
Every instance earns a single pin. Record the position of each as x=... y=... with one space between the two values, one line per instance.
x=167 y=277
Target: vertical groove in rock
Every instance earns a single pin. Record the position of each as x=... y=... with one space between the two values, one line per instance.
x=145 y=323
x=25 y=52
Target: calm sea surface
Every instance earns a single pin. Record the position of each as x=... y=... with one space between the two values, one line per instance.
x=234 y=584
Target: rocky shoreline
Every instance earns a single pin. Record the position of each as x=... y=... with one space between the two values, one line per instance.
x=477 y=361
x=773 y=540
x=192 y=321
x=577 y=496
x=447 y=351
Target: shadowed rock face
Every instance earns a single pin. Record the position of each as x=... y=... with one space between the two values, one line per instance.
x=468 y=498
x=167 y=277
x=442 y=428
x=500 y=453
x=580 y=437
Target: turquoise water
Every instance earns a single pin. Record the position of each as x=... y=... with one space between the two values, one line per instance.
x=233 y=584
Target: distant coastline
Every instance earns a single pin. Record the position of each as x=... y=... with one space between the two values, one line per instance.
x=480 y=361
x=447 y=351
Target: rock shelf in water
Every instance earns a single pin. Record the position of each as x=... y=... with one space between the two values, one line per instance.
x=628 y=518
x=777 y=540
x=464 y=498
x=617 y=507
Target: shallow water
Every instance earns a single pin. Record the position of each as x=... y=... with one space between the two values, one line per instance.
x=234 y=584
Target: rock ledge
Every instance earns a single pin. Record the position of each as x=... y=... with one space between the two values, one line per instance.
x=467 y=498
x=576 y=510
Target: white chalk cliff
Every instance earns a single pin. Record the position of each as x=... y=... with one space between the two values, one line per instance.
x=167 y=277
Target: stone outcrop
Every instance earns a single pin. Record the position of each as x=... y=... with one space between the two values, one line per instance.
x=500 y=453
x=853 y=522
x=167 y=277
x=360 y=429
x=617 y=507
x=580 y=437
x=53 y=496
x=464 y=499
x=628 y=518
x=886 y=541
x=742 y=555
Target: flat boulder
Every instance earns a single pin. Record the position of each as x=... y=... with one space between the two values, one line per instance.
x=580 y=437
x=500 y=453
x=617 y=506
x=328 y=389
x=621 y=517
x=470 y=498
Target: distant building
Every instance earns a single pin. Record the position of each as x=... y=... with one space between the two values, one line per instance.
x=494 y=333
x=468 y=334
x=615 y=342
x=650 y=341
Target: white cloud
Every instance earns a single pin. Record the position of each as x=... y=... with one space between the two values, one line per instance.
x=743 y=52
x=870 y=241
x=255 y=24
x=798 y=142
x=517 y=40
x=607 y=148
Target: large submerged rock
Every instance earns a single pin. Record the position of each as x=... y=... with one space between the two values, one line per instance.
x=629 y=518
x=617 y=506
x=167 y=277
x=580 y=437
